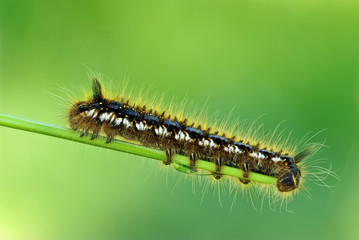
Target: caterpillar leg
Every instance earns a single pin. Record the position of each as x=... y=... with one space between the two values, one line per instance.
x=218 y=162
x=84 y=132
x=109 y=138
x=95 y=131
x=192 y=161
x=169 y=155
x=94 y=135
x=245 y=168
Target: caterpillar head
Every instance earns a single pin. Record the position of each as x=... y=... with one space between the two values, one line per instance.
x=290 y=179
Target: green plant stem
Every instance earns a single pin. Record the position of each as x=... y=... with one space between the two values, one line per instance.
x=64 y=133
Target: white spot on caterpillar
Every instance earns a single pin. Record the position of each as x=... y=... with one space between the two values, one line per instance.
x=118 y=121
x=165 y=133
x=187 y=138
x=140 y=126
x=109 y=115
x=162 y=131
x=93 y=113
x=103 y=117
x=112 y=118
x=212 y=144
x=206 y=142
x=89 y=113
x=237 y=150
x=180 y=136
x=126 y=123
x=257 y=155
x=231 y=149
x=276 y=159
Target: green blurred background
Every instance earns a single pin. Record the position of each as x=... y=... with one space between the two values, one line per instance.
x=291 y=60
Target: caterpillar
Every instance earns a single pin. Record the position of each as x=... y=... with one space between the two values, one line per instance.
x=173 y=135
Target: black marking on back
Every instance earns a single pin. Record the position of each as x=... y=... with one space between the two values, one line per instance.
x=114 y=106
x=194 y=133
x=268 y=154
x=244 y=147
x=218 y=139
x=151 y=120
x=171 y=125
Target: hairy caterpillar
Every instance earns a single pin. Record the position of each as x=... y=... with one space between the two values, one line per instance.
x=155 y=129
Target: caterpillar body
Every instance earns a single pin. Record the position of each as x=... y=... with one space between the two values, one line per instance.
x=175 y=136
